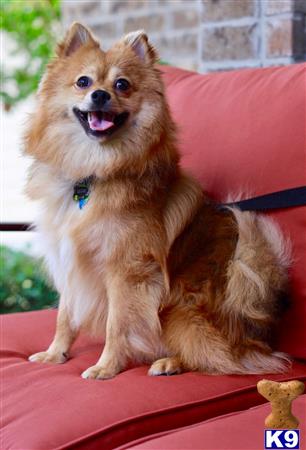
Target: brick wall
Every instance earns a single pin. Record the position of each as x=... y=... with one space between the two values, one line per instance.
x=204 y=35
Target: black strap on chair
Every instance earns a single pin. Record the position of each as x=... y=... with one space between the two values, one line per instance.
x=287 y=198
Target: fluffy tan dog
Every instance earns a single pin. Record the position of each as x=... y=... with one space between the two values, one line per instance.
x=149 y=263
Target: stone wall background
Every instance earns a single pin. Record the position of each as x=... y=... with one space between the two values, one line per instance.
x=203 y=35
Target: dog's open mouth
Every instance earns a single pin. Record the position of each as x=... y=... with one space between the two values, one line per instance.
x=100 y=123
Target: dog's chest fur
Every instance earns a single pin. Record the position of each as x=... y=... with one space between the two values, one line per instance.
x=82 y=291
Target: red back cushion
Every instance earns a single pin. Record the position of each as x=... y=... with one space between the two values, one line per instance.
x=244 y=131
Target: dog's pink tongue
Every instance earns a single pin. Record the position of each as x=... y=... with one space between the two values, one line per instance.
x=97 y=123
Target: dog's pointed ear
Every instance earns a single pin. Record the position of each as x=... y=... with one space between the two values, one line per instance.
x=139 y=42
x=76 y=37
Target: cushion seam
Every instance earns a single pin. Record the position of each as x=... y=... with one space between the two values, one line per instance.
x=167 y=410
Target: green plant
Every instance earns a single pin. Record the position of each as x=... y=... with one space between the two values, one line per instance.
x=30 y=28
x=23 y=286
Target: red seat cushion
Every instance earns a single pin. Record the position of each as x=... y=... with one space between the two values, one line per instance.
x=51 y=406
x=244 y=131
x=236 y=431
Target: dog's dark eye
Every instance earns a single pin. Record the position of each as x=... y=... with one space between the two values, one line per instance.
x=84 y=82
x=122 y=84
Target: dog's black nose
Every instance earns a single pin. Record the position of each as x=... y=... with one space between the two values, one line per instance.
x=100 y=97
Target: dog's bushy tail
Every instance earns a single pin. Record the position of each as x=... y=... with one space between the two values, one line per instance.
x=256 y=278
x=254 y=362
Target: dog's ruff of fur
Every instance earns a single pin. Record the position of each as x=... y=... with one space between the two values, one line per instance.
x=149 y=264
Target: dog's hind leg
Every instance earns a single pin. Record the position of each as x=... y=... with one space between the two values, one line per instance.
x=194 y=343
x=166 y=366
x=197 y=345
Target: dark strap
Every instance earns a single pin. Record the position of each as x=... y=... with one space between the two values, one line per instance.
x=287 y=198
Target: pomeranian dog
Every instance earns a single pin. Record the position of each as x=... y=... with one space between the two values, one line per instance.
x=139 y=254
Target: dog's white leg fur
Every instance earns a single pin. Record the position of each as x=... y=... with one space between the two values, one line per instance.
x=58 y=351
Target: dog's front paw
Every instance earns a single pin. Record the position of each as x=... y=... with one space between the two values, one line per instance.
x=48 y=357
x=99 y=372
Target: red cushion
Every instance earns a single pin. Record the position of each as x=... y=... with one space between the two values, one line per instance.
x=51 y=406
x=244 y=131
x=236 y=431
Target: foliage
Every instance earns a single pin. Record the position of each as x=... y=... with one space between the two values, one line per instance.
x=23 y=286
x=31 y=26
